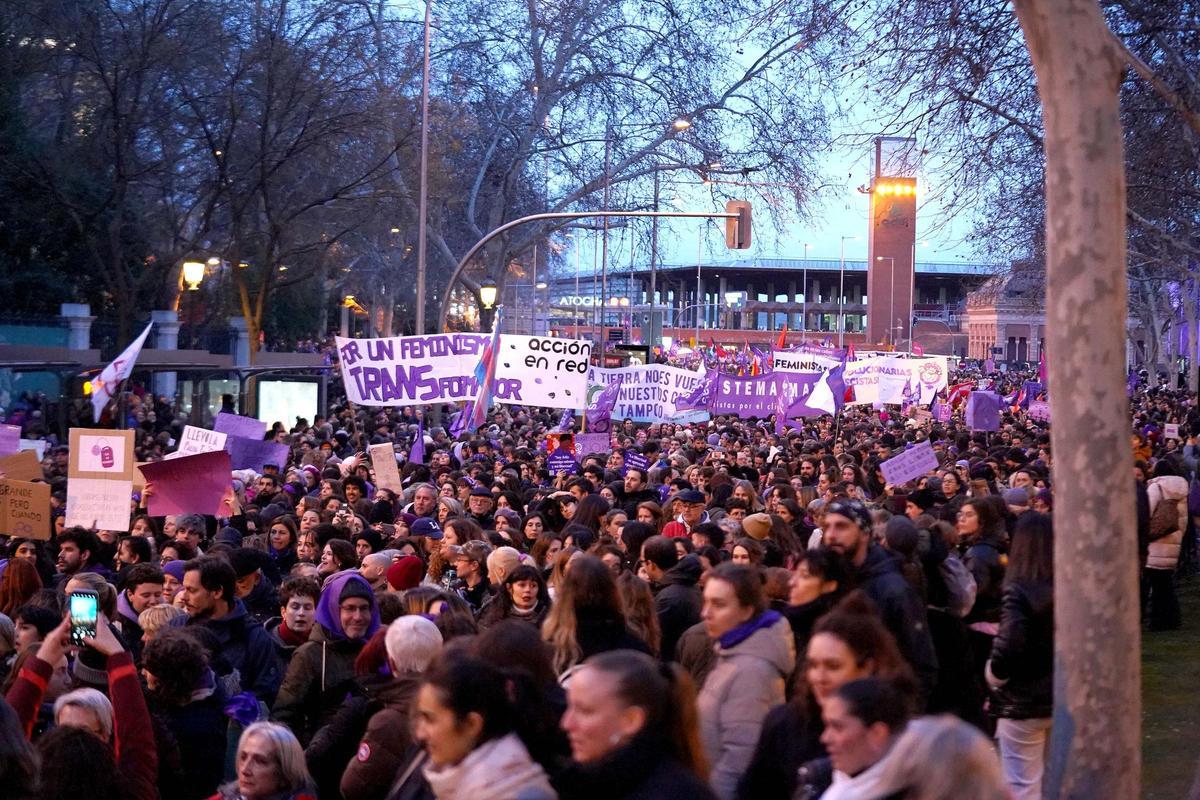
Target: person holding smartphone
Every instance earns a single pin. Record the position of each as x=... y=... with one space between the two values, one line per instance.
x=122 y=714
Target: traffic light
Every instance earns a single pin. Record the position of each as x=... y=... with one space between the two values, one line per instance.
x=737 y=229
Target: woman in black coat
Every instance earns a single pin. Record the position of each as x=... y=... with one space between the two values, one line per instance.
x=189 y=700
x=1021 y=669
x=621 y=756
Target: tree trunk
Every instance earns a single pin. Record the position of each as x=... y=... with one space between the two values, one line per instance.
x=1096 y=743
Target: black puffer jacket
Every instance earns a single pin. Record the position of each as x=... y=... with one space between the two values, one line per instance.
x=1023 y=652
x=902 y=611
x=985 y=559
x=677 y=601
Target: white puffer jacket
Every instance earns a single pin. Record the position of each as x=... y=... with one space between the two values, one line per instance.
x=1164 y=553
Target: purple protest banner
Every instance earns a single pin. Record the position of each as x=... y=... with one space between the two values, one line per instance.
x=10 y=439
x=909 y=465
x=983 y=411
x=758 y=397
x=588 y=443
x=236 y=425
x=254 y=453
x=193 y=484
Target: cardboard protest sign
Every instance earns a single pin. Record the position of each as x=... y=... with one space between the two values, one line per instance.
x=1171 y=431
x=648 y=392
x=99 y=503
x=103 y=454
x=22 y=466
x=910 y=465
x=10 y=439
x=194 y=484
x=416 y=370
x=236 y=425
x=100 y=478
x=254 y=453
x=201 y=440
x=387 y=473
x=25 y=509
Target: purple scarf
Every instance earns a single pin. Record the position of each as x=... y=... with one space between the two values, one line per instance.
x=741 y=633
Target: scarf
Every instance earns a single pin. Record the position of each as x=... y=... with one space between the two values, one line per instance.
x=741 y=633
x=290 y=637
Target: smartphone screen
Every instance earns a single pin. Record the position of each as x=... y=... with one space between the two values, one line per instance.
x=83 y=616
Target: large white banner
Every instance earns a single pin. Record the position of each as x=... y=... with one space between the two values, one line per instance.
x=882 y=379
x=648 y=392
x=418 y=370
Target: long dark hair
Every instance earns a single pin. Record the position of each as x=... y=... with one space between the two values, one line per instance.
x=18 y=760
x=1031 y=554
x=590 y=512
x=465 y=685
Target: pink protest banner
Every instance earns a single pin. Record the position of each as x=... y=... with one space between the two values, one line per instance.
x=194 y=484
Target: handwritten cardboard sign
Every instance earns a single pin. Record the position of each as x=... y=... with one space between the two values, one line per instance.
x=99 y=503
x=200 y=440
x=25 y=509
x=194 y=484
x=22 y=466
x=909 y=465
x=1171 y=431
x=383 y=461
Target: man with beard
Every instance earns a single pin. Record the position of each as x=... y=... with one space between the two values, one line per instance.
x=847 y=531
x=246 y=657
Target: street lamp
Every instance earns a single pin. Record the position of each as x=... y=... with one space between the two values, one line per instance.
x=487 y=297
x=891 y=297
x=681 y=123
x=193 y=273
x=842 y=291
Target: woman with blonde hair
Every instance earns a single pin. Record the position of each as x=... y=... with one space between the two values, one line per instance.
x=938 y=758
x=587 y=616
x=270 y=766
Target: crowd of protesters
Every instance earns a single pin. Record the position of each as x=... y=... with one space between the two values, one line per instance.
x=753 y=615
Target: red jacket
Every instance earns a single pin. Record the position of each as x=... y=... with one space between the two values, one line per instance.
x=133 y=739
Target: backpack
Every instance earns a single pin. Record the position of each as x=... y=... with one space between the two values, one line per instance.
x=960 y=585
x=1165 y=519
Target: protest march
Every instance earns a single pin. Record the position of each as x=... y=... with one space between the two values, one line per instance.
x=494 y=528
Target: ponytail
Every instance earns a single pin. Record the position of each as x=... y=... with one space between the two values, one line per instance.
x=668 y=696
x=681 y=722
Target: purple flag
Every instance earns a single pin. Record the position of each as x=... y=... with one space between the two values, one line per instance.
x=459 y=425
x=989 y=366
x=701 y=396
x=599 y=416
x=1131 y=384
x=417 y=452
x=564 y=423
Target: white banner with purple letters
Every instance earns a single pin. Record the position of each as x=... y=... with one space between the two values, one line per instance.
x=418 y=370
